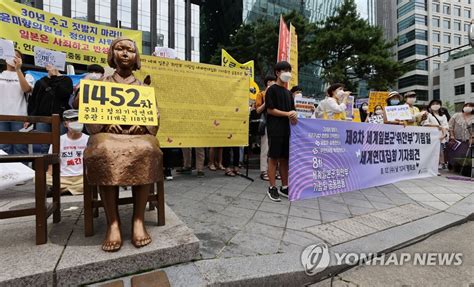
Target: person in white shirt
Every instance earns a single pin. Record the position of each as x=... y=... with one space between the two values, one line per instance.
x=334 y=106
x=71 y=150
x=436 y=118
x=13 y=87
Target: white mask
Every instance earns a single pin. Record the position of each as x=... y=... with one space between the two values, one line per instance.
x=365 y=108
x=76 y=126
x=10 y=62
x=299 y=95
x=285 y=77
x=378 y=112
x=435 y=107
x=94 y=76
x=467 y=110
x=411 y=101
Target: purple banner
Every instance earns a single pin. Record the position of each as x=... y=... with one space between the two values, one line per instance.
x=329 y=157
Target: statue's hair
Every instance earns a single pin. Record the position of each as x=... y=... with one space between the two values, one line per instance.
x=110 y=55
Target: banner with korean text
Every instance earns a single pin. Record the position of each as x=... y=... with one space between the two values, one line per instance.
x=200 y=105
x=83 y=42
x=329 y=157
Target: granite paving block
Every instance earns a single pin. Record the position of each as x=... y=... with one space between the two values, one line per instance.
x=264 y=230
x=242 y=213
x=358 y=203
x=275 y=208
x=330 y=233
x=374 y=222
x=256 y=242
x=232 y=250
x=307 y=203
x=449 y=197
x=380 y=199
x=273 y=219
x=300 y=238
x=83 y=261
x=353 y=195
x=353 y=227
x=360 y=210
x=436 y=204
x=380 y=205
x=328 y=216
x=253 y=195
x=464 y=207
x=298 y=223
x=246 y=203
x=423 y=197
x=304 y=212
x=334 y=207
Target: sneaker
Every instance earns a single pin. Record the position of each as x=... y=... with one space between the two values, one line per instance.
x=168 y=175
x=184 y=170
x=200 y=174
x=273 y=194
x=283 y=192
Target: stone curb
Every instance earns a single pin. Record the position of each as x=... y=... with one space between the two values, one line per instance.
x=286 y=269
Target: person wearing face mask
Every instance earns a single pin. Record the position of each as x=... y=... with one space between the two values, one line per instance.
x=410 y=99
x=50 y=96
x=460 y=136
x=436 y=118
x=297 y=92
x=393 y=99
x=13 y=86
x=363 y=111
x=377 y=116
x=281 y=112
x=334 y=106
x=71 y=150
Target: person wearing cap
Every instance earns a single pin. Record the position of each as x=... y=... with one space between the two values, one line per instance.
x=394 y=99
x=71 y=150
x=410 y=99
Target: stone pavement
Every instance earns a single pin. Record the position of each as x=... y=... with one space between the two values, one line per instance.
x=233 y=217
x=241 y=230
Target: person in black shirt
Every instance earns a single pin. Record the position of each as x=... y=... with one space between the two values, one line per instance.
x=281 y=112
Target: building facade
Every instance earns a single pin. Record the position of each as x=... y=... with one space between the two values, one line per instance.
x=453 y=82
x=164 y=23
x=425 y=28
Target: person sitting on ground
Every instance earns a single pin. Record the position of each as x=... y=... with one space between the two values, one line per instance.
x=71 y=150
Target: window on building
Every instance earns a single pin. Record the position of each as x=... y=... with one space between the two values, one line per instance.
x=459 y=73
x=422 y=95
x=436 y=65
x=457 y=25
x=412 y=20
x=102 y=12
x=435 y=22
x=436 y=94
x=467 y=13
x=436 y=37
x=79 y=9
x=447 y=9
x=420 y=80
x=457 y=40
x=446 y=24
x=53 y=6
x=467 y=1
x=457 y=11
x=447 y=38
x=472 y=87
x=472 y=69
x=413 y=50
x=459 y=90
x=466 y=26
x=410 y=6
x=435 y=51
x=435 y=7
x=124 y=13
x=436 y=81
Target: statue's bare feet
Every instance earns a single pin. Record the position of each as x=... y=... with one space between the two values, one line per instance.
x=113 y=239
x=140 y=236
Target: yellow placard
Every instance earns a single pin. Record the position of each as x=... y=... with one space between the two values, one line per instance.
x=83 y=42
x=228 y=61
x=200 y=105
x=356 y=116
x=120 y=104
x=377 y=98
x=293 y=57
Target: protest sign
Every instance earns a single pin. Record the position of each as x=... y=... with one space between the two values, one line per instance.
x=165 y=52
x=304 y=107
x=399 y=113
x=207 y=105
x=350 y=107
x=7 y=52
x=376 y=119
x=14 y=173
x=44 y=57
x=120 y=104
x=83 y=42
x=293 y=56
x=228 y=61
x=376 y=99
x=330 y=157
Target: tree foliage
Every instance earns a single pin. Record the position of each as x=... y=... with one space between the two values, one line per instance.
x=348 y=48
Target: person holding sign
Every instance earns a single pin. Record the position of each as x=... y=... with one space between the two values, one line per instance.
x=334 y=106
x=13 y=86
x=377 y=116
x=393 y=99
x=123 y=155
x=410 y=99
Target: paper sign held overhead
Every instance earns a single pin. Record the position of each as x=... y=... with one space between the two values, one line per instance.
x=44 y=57
x=7 y=51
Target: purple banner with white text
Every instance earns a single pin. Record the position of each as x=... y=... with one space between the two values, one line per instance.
x=329 y=157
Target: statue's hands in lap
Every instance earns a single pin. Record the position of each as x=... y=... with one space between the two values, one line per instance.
x=114 y=129
x=137 y=130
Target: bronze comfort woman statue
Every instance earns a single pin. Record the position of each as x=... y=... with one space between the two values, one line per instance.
x=119 y=155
